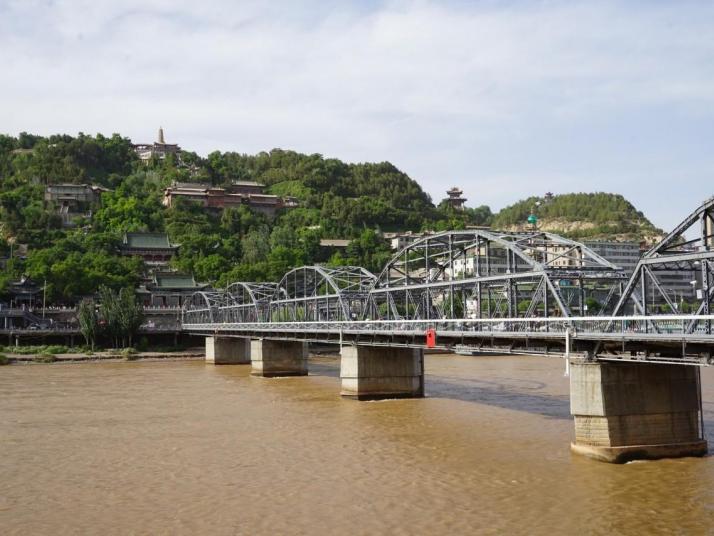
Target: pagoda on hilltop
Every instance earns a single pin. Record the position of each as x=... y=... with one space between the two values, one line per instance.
x=146 y=151
x=455 y=200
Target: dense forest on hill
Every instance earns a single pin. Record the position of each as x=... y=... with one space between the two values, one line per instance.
x=579 y=215
x=336 y=200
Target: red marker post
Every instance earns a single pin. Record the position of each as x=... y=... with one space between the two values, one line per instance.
x=430 y=338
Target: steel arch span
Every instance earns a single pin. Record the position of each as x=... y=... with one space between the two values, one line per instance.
x=246 y=302
x=685 y=259
x=201 y=307
x=490 y=274
x=318 y=293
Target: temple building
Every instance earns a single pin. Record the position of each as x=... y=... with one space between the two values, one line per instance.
x=159 y=149
x=24 y=293
x=168 y=290
x=154 y=248
x=239 y=193
x=72 y=201
x=455 y=200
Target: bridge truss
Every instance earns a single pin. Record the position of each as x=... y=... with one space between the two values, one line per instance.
x=201 y=307
x=315 y=293
x=524 y=292
x=485 y=274
x=686 y=256
x=246 y=302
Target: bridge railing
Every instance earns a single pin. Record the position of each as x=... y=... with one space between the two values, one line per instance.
x=664 y=325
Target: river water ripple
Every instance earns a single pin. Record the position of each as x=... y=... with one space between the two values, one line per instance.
x=185 y=448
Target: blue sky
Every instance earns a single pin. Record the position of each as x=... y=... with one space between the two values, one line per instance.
x=505 y=99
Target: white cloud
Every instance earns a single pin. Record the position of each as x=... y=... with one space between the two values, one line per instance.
x=506 y=99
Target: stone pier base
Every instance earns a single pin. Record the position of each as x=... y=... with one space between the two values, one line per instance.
x=378 y=372
x=272 y=357
x=634 y=411
x=228 y=350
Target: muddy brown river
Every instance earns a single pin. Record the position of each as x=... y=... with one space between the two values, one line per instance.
x=185 y=448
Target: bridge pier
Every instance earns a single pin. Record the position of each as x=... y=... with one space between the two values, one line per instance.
x=228 y=350
x=273 y=357
x=378 y=372
x=632 y=411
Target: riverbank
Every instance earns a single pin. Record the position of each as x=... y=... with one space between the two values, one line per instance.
x=103 y=356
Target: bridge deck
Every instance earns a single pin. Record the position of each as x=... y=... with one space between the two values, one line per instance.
x=676 y=338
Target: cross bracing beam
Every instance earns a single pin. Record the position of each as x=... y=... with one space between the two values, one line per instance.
x=677 y=260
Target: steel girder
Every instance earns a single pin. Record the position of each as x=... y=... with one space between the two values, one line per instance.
x=488 y=274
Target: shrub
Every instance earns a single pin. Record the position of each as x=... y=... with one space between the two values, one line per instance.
x=130 y=354
x=4 y=360
x=29 y=350
x=24 y=350
x=56 y=349
x=44 y=358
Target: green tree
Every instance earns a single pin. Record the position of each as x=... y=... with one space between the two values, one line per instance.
x=88 y=322
x=121 y=313
x=369 y=250
x=130 y=315
x=109 y=307
x=256 y=246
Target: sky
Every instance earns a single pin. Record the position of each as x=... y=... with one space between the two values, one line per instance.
x=505 y=99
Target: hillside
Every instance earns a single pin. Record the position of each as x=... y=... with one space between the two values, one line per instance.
x=335 y=200
x=580 y=215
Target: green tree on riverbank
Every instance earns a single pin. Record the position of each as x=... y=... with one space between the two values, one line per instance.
x=88 y=318
x=121 y=315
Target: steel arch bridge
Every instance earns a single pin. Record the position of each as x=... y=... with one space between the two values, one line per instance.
x=512 y=291
x=488 y=274
x=246 y=302
x=317 y=293
x=202 y=307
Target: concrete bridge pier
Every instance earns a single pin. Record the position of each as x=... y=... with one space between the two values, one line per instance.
x=228 y=350
x=634 y=411
x=274 y=357
x=378 y=372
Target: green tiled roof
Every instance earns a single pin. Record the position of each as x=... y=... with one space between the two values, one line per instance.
x=175 y=280
x=147 y=241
